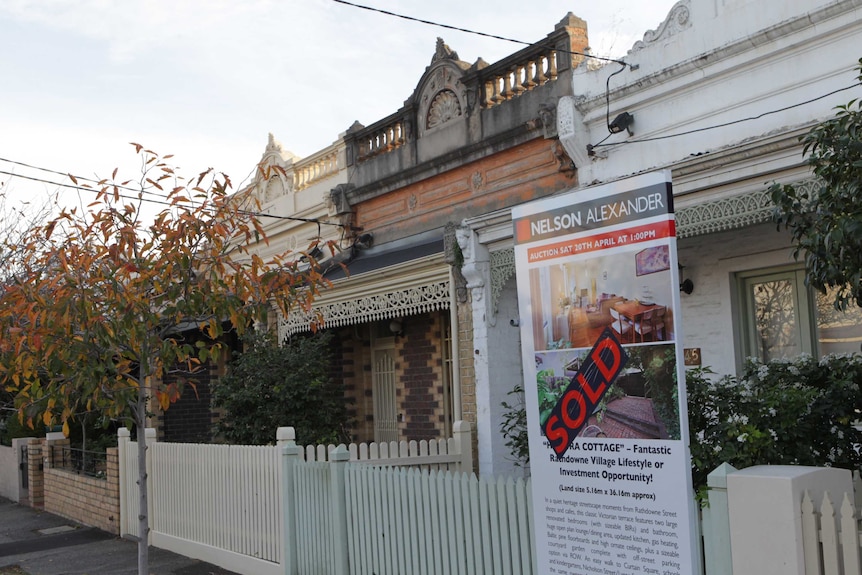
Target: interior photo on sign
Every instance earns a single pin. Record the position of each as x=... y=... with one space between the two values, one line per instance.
x=630 y=292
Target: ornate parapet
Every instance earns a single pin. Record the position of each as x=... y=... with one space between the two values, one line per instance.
x=281 y=173
x=381 y=137
x=678 y=19
x=535 y=65
x=319 y=166
x=452 y=90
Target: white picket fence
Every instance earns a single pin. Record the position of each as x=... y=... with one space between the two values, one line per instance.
x=452 y=454
x=405 y=521
x=831 y=537
x=286 y=509
x=388 y=521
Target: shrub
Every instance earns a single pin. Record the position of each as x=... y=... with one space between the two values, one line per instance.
x=268 y=386
x=799 y=412
x=514 y=428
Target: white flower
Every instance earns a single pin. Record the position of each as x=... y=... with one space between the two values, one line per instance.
x=742 y=437
x=772 y=412
x=773 y=434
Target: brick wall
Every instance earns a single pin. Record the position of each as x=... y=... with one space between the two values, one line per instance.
x=420 y=378
x=419 y=366
x=191 y=419
x=466 y=369
x=347 y=368
x=88 y=500
x=520 y=174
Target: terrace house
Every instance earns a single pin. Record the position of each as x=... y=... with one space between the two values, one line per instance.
x=471 y=139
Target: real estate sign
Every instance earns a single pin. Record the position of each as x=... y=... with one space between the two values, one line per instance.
x=598 y=290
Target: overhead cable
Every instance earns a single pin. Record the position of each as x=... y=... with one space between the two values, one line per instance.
x=725 y=124
x=151 y=201
x=468 y=31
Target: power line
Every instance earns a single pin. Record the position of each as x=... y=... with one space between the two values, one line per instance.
x=75 y=187
x=151 y=201
x=725 y=124
x=468 y=31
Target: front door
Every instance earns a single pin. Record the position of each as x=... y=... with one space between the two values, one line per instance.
x=383 y=392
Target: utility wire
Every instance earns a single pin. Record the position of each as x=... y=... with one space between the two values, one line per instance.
x=468 y=31
x=66 y=174
x=157 y=202
x=81 y=188
x=731 y=123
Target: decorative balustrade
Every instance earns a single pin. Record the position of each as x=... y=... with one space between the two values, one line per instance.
x=382 y=137
x=515 y=79
x=491 y=85
x=318 y=166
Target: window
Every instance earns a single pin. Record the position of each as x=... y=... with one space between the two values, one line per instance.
x=782 y=318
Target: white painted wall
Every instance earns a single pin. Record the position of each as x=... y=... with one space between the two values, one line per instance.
x=708 y=313
x=735 y=60
x=505 y=371
x=732 y=59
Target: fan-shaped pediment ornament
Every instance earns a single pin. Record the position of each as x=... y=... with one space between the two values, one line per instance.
x=444 y=107
x=442 y=98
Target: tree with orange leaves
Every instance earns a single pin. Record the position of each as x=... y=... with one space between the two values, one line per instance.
x=95 y=306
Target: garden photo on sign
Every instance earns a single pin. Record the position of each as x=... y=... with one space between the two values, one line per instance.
x=642 y=403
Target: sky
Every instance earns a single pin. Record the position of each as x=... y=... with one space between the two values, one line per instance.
x=208 y=80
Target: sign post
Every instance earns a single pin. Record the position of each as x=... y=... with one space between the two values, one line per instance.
x=598 y=291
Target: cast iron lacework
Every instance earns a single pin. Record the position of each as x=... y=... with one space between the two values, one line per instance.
x=502 y=268
x=392 y=304
x=731 y=213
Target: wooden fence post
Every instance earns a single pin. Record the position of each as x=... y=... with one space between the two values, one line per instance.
x=461 y=433
x=338 y=459
x=290 y=457
x=716 y=523
x=123 y=439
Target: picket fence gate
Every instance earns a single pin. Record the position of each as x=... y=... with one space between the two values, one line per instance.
x=831 y=536
x=290 y=509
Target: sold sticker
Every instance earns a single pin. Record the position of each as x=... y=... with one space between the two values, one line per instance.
x=584 y=393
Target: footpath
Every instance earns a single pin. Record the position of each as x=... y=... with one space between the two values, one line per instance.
x=40 y=543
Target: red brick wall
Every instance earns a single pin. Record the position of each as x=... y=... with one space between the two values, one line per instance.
x=420 y=378
x=419 y=372
x=511 y=177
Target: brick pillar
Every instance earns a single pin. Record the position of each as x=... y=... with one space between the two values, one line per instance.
x=113 y=487
x=52 y=447
x=35 y=475
x=467 y=371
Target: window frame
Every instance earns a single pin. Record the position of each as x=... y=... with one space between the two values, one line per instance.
x=806 y=310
